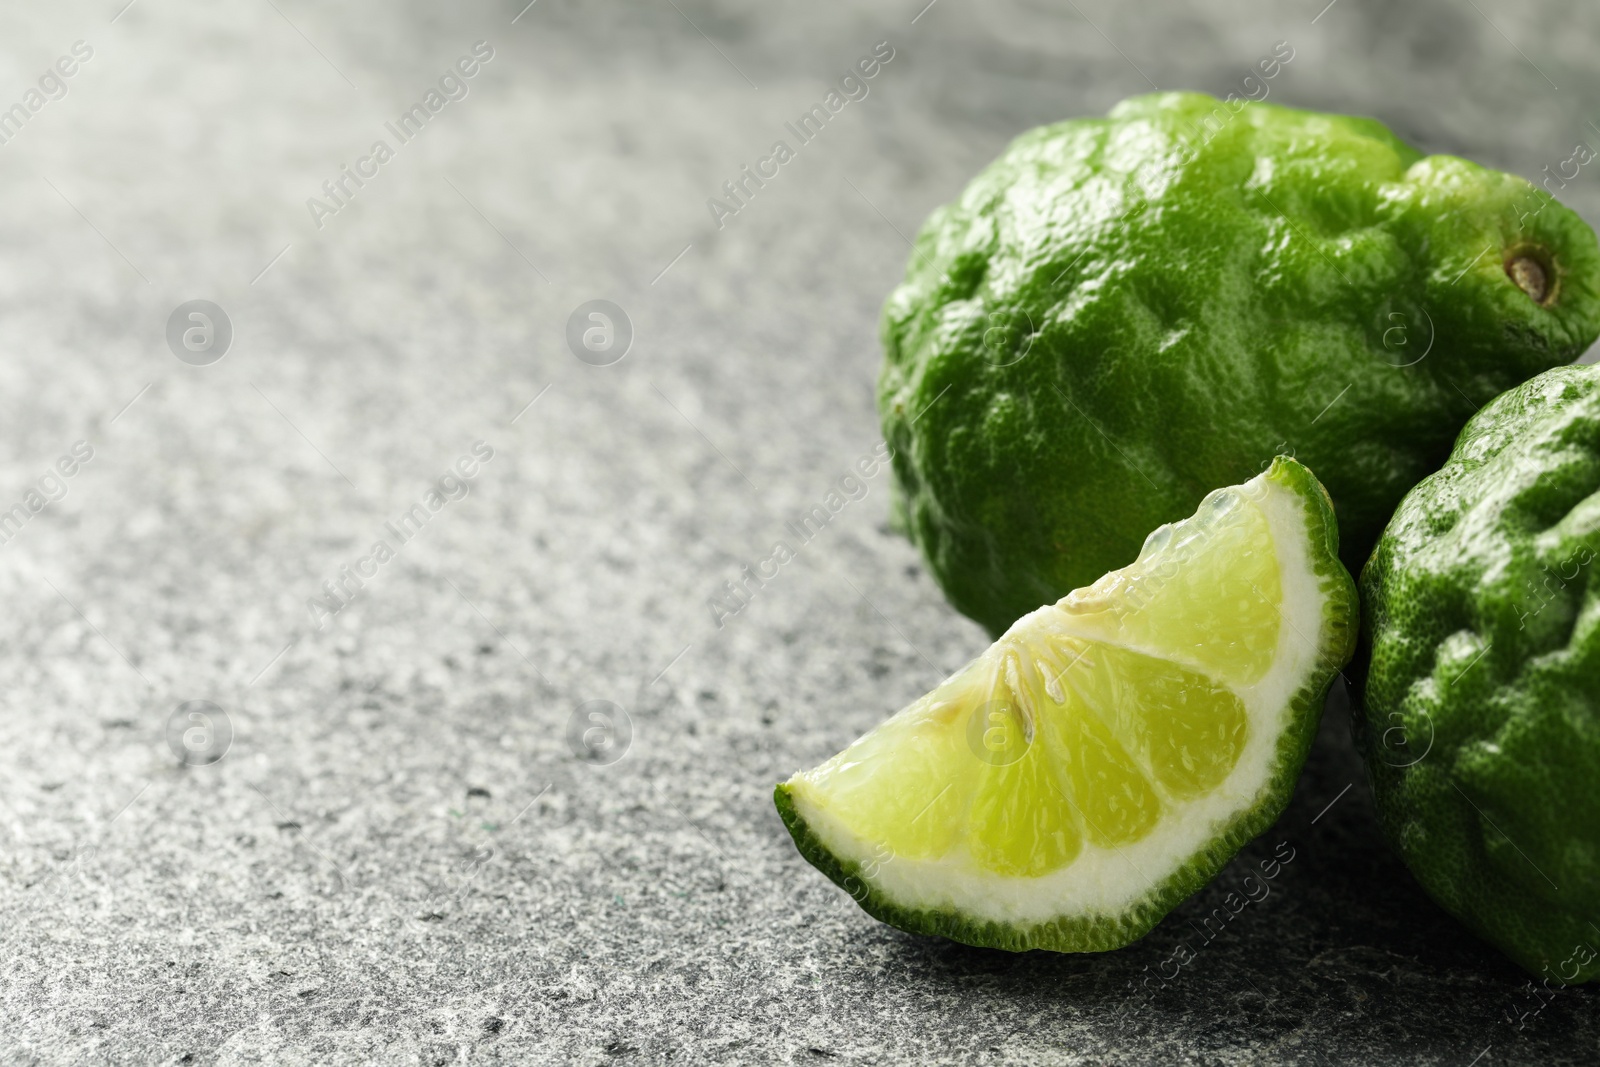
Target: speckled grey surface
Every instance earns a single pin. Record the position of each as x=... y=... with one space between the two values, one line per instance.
x=400 y=858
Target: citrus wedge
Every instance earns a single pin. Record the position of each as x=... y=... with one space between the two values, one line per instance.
x=1110 y=752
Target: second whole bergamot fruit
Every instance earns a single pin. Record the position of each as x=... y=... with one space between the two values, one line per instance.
x=1479 y=714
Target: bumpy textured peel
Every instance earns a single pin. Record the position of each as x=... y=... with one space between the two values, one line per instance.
x=1122 y=313
x=1479 y=715
x=1103 y=899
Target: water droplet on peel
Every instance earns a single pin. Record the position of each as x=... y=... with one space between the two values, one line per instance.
x=1222 y=501
x=1159 y=538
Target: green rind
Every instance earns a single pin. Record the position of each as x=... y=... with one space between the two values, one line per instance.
x=1485 y=765
x=1120 y=314
x=1099 y=933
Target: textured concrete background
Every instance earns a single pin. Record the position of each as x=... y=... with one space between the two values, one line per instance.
x=401 y=858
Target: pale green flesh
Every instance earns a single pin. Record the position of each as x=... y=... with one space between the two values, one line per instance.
x=1103 y=742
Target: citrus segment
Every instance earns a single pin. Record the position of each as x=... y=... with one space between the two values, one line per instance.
x=1187 y=729
x=1111 y=751
x=1208 y=593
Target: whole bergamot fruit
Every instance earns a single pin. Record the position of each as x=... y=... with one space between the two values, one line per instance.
x=1480 y=710
x=1120 y=314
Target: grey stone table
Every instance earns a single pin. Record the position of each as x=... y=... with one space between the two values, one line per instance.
x=398 y=857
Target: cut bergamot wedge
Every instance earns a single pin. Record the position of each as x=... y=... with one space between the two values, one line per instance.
x=1110 y=752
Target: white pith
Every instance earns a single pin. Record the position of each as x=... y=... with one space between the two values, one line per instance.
x=1103 y=881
